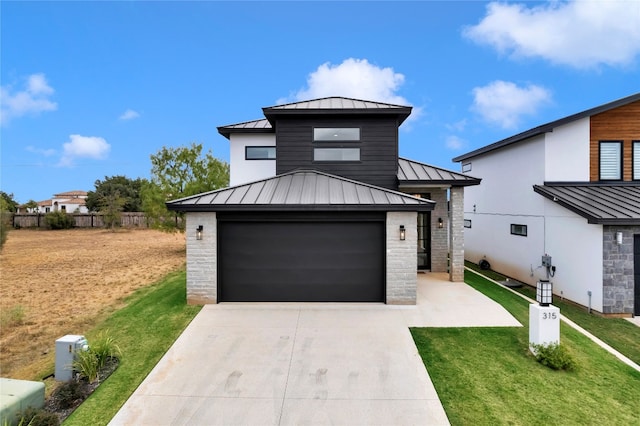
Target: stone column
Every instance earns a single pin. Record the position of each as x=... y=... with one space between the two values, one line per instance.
x=402 y=261
x=202 y=261
x=456 y=235
x=439 y=243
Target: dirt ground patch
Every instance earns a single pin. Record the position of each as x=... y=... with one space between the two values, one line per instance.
x=54 y=283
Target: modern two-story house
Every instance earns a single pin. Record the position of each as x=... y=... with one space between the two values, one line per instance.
x=569 y=189
x=321 y=208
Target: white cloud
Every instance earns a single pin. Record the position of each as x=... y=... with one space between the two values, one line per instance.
x=458 y=126
x=83 y=147
x=580 y=34
x=41 y=151
x=504 y=103
x=129 y=115
x=33 y=99
x=455 y=143
x=353 y=78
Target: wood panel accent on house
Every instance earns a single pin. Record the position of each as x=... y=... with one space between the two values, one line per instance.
x=621 y=124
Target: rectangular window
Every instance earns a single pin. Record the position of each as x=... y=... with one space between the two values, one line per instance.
x=519 y=230
x=336 y=154
x=636 y=160
x=337 y=134
x=467 y=223
x=466 y=167
x=610 y=160
x=260 y=153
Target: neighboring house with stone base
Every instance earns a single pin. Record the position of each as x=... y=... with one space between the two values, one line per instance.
x=569 y=189
x=322 y=209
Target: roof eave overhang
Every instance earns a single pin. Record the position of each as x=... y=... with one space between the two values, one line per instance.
x=590 y=218
x=422 y=207
x=226 y=132
x=401 y=112
x=408 y=184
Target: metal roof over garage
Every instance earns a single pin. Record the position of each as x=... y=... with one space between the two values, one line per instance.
x=606 y=204
x=412 y=174
x=302 y=190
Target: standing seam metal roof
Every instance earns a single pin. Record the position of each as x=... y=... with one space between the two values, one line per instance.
x=303 y=190
x=413 y=172
x=612 y=204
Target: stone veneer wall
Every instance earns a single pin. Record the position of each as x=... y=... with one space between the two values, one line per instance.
x=439 y=236
x=402 y=261
x=456 y=235
x=202 y=259
x=617 y=270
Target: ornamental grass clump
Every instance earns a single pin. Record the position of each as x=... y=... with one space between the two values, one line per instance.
x=554 y=356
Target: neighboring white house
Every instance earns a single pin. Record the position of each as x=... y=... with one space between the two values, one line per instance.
x=70 y=202
x=569 y=189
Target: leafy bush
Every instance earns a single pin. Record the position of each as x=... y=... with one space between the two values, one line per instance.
x=59 y=220
x=105 y=347
x=69 y=393
x=33 y=417
x=86 y=363
x=554 y=356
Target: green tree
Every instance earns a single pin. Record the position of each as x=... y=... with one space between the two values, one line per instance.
x=111 y=205
x=32 y=206
x=127 y=189
x=5 y=218
x=176 y=173
x=9 y=204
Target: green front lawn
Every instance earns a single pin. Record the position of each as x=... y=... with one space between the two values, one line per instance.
x=618 y=333
x=487 y=376
x=144 y=329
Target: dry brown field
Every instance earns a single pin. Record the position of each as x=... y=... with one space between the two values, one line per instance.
x=54 y=283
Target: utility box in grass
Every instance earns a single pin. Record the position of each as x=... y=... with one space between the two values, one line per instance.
x=66 y=349
x=16 y=396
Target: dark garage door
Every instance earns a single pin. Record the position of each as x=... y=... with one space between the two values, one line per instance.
x=289 y=260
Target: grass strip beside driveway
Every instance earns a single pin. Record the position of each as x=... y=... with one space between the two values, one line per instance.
x=618 y=333
x=144 y=329
x=487 y=376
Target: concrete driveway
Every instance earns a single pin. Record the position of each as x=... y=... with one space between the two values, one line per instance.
x=306 y=364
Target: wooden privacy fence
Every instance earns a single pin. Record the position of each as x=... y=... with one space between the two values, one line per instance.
x=82 y=220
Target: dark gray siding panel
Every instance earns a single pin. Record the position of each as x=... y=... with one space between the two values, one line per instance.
x=378 y=163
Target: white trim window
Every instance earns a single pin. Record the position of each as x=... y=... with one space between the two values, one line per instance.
x=636 y=160
x=610 y=160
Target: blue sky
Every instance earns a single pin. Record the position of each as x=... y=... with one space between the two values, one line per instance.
x=92 y=89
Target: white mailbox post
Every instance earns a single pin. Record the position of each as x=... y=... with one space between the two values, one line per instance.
x=544 y=319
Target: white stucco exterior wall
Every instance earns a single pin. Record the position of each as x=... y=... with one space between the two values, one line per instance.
x=567 y=152
x=243 y=171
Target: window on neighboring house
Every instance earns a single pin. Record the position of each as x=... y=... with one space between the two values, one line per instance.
x=260 y=153
x=519 y=230
x=610 y=160
x=636 y=160
x=336 y=154
x=47 y=209
x=63 y=208
x=466 y=167
x=338 y=134
x=467 y=223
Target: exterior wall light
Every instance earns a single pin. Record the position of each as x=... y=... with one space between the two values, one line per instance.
x=199 y=232
x=619 y=238
x=544 y=292
x=440 y=223
x=403 y=233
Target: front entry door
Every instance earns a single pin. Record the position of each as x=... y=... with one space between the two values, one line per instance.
x=636 y=268
x=424 y=240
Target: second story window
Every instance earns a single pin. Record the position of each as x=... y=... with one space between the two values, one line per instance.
x=336 y=154
x=636 y=160
x=336 y=134
x=260 y=153
x=610 y=160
